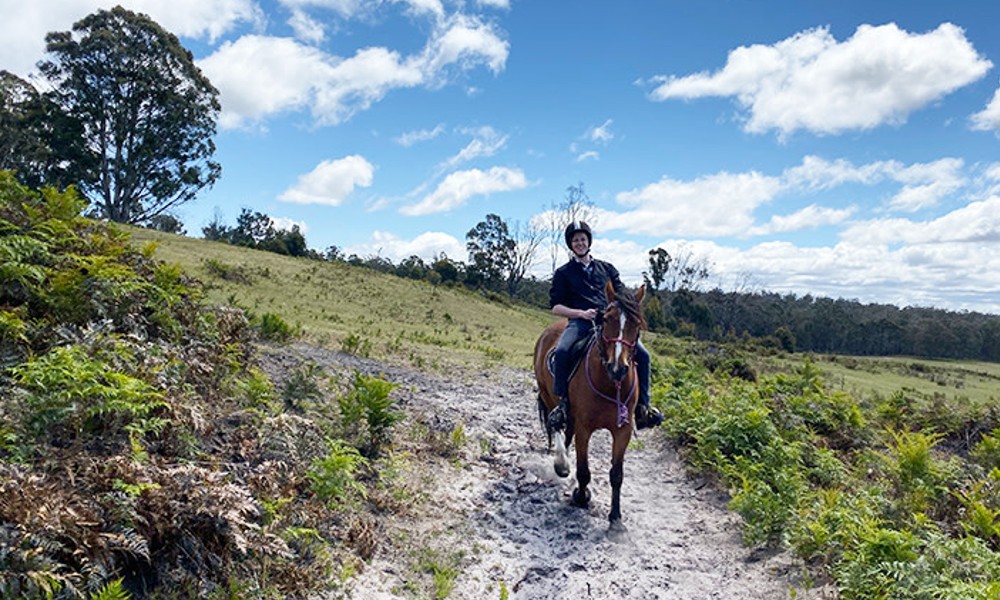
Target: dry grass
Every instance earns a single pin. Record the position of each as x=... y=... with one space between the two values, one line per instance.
x=352 y=308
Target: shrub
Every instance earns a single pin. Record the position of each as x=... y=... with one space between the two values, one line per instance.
x=332 y=476
x=273 y=328
x=368 y=405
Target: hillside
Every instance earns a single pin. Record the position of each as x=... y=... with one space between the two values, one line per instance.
x=366 y=312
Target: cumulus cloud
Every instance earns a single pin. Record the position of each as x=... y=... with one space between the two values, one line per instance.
x=811 y=81
x=458 y=187
x=715 y=205
x=427 y=245
x=989 y=118
x=809 y=217
x=24 y=36
x=258 y=76
x=346 y=9
x=286 y=224
x=927 y=183
x=818 y=173
x=306 y=28
x=331 y=181
x=924 y=184
x=974 y=223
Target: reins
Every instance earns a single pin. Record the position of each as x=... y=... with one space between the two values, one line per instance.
x=617 y=399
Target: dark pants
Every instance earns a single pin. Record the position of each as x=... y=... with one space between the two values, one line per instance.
x=578 y=329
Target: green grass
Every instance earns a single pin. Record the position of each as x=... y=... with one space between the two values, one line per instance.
x=975 y=383
x=394 y=319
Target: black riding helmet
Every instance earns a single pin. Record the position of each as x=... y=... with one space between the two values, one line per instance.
x=576 y=227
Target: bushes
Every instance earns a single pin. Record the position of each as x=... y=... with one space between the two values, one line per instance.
x=137 y=442
x=881 y=509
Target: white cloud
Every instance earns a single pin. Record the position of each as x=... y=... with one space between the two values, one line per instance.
x=810 y=81
x=419 y=7
x=505 y=4
x=486 y=142
x=465 y=42
x=720 y=204
x=421 y=135
x=347 y=9
x=458 y=187
x=989 y=118
x=286 y=224
x=258 y=76
x=818 y=173
x=975 y=223
x=331 y=181
x=602 y=133
x=306 y=28
x=810 y=217
x=427 y=246
x=927 y=183
x=23 y=31
x=588 y=155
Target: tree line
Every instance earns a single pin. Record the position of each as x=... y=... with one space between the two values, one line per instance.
x=836 y=326
x=807 y=323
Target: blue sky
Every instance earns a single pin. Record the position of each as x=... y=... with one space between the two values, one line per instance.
x=843 y=149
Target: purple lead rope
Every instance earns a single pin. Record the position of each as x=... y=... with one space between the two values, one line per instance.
x=622 y=406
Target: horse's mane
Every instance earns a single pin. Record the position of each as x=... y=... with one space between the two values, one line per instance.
x=633 y=310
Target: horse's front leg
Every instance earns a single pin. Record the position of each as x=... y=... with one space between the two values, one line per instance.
x=581 y=495
x=620 y=440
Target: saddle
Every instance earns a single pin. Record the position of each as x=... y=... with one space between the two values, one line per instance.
x=576 y=354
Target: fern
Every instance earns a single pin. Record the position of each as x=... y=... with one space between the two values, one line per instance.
x=113 y=590
x=332 y=476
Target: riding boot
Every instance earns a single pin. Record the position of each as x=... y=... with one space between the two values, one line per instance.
x=557 y=419
x=647 y=416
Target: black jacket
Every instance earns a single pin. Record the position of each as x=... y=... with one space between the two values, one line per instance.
x=574 y=287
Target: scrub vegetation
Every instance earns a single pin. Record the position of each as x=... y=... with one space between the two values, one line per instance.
x=145 y=451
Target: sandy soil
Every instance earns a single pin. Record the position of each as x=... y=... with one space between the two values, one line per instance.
x=501 y=507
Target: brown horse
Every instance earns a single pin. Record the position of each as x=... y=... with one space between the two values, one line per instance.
x=602 y=393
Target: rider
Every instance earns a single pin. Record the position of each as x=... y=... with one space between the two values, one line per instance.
x=577 y=293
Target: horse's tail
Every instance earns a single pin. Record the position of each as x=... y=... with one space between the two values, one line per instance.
x=543 y=413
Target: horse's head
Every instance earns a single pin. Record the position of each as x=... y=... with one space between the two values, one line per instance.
x=621 y=323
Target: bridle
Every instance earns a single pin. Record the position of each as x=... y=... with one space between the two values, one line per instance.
x=622 y=405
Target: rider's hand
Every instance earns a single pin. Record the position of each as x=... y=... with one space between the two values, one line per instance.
x=590 y=314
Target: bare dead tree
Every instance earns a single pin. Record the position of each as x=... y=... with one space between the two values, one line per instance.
x=527 y=238
x=575 y=206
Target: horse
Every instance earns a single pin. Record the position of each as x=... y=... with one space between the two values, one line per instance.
x=603 y=393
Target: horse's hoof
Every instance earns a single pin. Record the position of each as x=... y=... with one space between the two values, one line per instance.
x=581 y=500
x=562 y=470
x=617 y=532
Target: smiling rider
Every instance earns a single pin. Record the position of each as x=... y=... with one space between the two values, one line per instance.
x=577 y=293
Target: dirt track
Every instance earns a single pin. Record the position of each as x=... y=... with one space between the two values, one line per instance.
x=503 y=509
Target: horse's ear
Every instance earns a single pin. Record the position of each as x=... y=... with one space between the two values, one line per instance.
x=639 y=295
x=609 y=291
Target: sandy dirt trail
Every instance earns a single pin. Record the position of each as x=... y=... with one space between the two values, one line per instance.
x=504 y=509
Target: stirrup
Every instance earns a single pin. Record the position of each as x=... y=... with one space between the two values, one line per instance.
x=558 y=417
x=647 y=416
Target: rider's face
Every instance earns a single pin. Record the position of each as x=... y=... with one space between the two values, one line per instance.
x=580 y=244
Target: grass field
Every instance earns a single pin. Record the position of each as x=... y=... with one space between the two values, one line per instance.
x=357 y=309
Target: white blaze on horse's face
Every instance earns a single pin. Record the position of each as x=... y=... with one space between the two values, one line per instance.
x=621 y=333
